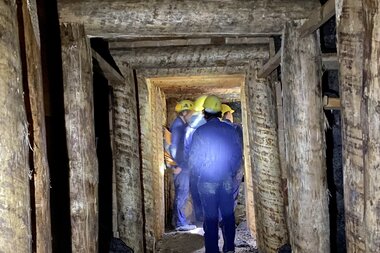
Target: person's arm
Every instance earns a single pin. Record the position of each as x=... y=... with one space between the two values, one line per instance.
x=176 y=136
x=188 y=139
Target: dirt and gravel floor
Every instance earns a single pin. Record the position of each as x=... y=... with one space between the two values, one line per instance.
x=192 y=241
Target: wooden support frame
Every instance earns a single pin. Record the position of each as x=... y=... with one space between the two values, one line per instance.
x=318 y=18
x=187 y=42
x=109 y=72
x=270 y=66
x=329 y=62
x=331 y=103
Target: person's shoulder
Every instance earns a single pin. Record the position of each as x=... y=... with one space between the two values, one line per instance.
x=177 y=122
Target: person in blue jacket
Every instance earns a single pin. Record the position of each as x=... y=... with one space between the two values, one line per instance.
x=194 y=121
x=181 y=174
x=215 y=155
x=227 y=116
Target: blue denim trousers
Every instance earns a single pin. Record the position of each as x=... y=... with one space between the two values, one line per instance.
x=217 y=196
x=181 y=189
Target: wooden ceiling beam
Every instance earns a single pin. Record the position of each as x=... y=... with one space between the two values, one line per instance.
x=119 y=45
x=191 y=56
x=205 y=82
x=175 y=18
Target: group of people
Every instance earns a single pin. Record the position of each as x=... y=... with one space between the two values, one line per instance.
x=207 y=148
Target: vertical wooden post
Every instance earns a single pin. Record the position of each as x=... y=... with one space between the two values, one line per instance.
x=41 y=167
x=80 y=132
x=358 y=50
x=371 y=123
x=128 y=164
x=111 y=118
x=158 y=164
x=14 y=166
x=304 y=118
x=350 y=34
x=247 y=140
x=270 y=210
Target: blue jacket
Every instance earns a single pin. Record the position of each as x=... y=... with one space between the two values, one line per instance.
x=237 y=127
x=189 y=131
x=215 y=151
x=177 y=146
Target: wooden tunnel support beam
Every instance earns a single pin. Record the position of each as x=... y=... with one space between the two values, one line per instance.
x=14 y=165
x=41 y=175
x=152 y=175
x=304 y=135
x=329 y=62
x=270 y=66
x=109 y=72
x=331 y=103
x=318 y=17
x=270 y=210
x=247 y=120
x=80 y=134
x=370 y=123
x=167 y=18
x=128 y=163
x=358 y=50
x=118 y=45
x=191 y=56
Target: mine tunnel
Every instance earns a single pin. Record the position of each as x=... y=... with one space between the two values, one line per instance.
x=88 y=87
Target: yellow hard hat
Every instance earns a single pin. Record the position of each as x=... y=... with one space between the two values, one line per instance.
x=198 y=104
x=184 y=105
x=226 y=108
x=212 y=104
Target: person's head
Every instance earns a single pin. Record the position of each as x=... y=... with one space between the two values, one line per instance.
x=227 y=113
x=184 y=107
x=212 y=107
x=196 y=118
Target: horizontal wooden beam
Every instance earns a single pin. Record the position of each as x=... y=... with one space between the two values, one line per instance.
x=331 y=103
x=169 y=72
x=191 y=56
x=329 y=62
x=271 y=65
x=158 y=43
x=200 y=81
x=125 y=44
x=176 y=18
x=318 y=17
x=108 y=71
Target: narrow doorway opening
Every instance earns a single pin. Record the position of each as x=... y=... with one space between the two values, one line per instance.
x=170 y=90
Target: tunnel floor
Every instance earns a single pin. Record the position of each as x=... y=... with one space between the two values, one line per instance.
x=192 y=241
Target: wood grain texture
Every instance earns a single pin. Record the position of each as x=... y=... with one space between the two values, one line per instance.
x=80 y=135
x=249 y=187
x=305 y=140
x=270 y=220
x=15 y=218
x=371 y=123
x=118 y=18
x=41 y=168
x=191 y=56
x=350 y=39
x=128 y=163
